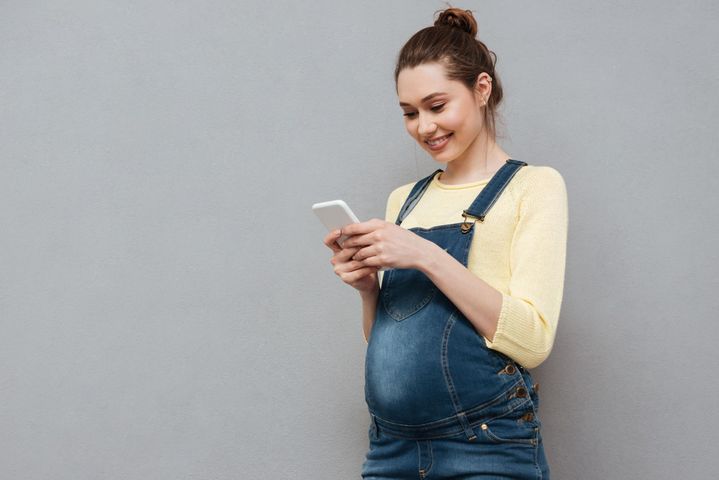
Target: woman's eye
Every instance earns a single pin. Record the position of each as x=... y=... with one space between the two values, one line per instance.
x=435 y=108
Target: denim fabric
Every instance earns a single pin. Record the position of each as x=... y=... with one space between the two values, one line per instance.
x=442 y=404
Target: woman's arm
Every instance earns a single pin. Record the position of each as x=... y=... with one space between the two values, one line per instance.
x=480 y=302
x=369 y=309
x=369 y=299
x=521 y=323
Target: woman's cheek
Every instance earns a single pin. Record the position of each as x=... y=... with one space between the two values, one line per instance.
x=452 y=121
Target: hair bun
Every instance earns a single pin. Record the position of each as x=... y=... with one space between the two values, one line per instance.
x=458 y=18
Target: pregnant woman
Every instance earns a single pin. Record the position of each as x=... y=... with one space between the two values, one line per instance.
x=470 y=298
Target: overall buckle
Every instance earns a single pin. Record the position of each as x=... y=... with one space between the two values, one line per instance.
x=466 y=226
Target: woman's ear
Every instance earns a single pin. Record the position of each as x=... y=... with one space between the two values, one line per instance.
x=483 y=88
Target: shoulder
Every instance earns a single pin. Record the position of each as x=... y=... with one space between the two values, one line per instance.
x=539 y=180
x=539 y=173
x=395 y=200
x=541 y=193
x=400 y=193
x=397 y=197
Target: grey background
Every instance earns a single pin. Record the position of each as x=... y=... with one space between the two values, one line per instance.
x=167 y=308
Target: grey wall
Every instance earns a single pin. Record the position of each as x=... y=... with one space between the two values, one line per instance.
x=167 y=308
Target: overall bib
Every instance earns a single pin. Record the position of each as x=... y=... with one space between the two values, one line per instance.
x=442 y=404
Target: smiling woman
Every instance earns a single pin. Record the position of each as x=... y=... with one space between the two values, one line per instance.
x=462 y=64
x=474 y=259
x=454 y=119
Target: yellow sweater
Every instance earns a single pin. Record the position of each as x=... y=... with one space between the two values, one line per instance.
x=520 y=250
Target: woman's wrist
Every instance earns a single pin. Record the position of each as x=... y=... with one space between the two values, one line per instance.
x=369 y=294
x=426 y=261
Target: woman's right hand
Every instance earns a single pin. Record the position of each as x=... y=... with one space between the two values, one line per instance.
x=364 y=279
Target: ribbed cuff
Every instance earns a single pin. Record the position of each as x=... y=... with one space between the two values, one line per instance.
x=518 y=334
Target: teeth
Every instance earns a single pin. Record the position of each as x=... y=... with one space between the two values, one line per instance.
x=439 y=140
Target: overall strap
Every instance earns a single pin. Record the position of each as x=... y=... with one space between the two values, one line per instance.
x=414 y=196
x=492 y=191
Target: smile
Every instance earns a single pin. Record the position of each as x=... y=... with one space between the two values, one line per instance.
x=438 y=142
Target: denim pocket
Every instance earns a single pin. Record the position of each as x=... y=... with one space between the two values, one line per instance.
x=518 y=426
x=405 y=291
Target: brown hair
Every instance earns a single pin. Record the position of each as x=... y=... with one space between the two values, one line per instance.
x=451 y=42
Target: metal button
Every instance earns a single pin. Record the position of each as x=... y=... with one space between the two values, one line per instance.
x=508 y=369
x=484 y=426
x=528 y=417
x=521 y=392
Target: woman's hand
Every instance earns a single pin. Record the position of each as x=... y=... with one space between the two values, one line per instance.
x=351 y=271
x=378 y=243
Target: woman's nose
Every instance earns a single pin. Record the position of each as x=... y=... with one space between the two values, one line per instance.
x=426 y=127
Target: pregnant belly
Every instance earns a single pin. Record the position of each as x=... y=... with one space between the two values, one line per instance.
x=410 y=370
x=404 y=378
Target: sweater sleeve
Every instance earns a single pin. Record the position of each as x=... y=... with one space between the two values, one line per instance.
x=530 y=311
x=395 y=201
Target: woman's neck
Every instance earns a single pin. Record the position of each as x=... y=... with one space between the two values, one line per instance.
x=474 y=168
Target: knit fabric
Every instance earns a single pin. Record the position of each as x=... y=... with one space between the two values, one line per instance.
x=519 y=249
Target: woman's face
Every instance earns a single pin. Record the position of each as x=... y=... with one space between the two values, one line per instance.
x=437 y=108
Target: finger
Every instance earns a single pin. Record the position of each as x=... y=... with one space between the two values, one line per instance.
x=343 y=256
x=355 y=275
x=346 y=254
x=331 y=240
x=363 y=272
x=372 y=261
x=362 y=227
x=344 y=268
x=360 y=253
x=368 y=255
x=359 y=240
x=353 y=264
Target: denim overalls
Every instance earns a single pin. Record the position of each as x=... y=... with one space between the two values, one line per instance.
x=442 y=404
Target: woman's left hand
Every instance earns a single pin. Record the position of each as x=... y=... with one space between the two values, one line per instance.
x=385 y=244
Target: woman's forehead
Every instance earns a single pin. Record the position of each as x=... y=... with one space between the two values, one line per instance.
x=415 y=84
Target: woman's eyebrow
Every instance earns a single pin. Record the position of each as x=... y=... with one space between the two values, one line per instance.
x=428 y=97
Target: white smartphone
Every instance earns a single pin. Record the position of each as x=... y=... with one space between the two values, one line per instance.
x=335 y=214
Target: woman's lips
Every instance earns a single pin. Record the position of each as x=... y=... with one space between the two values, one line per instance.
x=441 y=144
